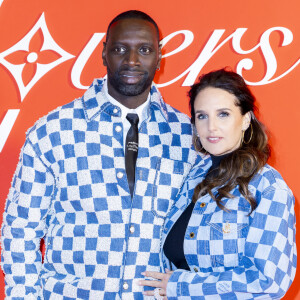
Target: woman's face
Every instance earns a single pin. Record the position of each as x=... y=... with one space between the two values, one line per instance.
x=219 y=121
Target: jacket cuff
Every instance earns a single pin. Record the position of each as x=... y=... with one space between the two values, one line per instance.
x=20 y=291
x=189 y=284
x=174 y=286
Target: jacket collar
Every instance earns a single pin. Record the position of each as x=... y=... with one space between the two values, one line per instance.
x=201 y=166
x=95 y=102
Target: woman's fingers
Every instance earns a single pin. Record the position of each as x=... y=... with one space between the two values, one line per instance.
x=156 y=275
x=153 y=283
x=161 y=282
x=151 y=293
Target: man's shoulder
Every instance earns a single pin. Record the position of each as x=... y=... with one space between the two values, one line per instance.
x=171 y=114
x=76 y=109
x=174 y=115
x=58 y=119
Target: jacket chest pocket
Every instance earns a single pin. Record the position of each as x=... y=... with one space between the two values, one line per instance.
x=168 y=180
x=227 y=238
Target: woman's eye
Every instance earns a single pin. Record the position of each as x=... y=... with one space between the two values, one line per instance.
x=223 y=114
x=201 y=116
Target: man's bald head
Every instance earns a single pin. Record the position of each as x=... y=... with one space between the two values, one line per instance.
x=133 y=14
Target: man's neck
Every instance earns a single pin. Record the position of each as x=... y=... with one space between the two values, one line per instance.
x=131 y=102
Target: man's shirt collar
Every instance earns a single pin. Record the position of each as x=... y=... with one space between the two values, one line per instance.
x=95 y=101
x=141 y=111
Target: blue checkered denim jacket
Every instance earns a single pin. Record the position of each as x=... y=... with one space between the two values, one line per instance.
x=70 y=187
x=231 y=254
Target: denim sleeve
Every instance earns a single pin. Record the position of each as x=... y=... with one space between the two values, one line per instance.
x=268 y=266
x=24 y=225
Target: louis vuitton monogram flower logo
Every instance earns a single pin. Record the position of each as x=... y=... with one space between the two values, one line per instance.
x=33 y=56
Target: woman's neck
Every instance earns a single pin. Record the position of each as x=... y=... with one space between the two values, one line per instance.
x=216 y=160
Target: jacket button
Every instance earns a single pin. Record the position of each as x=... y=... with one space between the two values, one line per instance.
x=140 y=174
x=202 y=204
x=192 y=235
x=131 y=229
x=115 y=110
x=195 y=269
x=120 y=175
x=125 y=286
x=118 y=128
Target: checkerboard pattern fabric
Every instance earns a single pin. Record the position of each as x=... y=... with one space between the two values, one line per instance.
x=70 y=189
x=231 y=254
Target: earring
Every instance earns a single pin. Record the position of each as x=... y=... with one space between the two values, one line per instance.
x=251 y=134
x=197 y=144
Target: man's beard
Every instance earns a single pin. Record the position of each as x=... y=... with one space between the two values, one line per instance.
x=128 y=89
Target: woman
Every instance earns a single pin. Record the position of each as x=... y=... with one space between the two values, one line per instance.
x=231 y=233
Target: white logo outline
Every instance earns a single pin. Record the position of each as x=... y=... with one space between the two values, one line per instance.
x=42 y=69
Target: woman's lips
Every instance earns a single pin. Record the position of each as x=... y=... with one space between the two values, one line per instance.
x=214 y=140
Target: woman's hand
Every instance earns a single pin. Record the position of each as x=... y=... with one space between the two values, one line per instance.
x=160 y=283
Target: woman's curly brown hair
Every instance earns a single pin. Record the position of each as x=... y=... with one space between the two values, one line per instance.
x=239 y=167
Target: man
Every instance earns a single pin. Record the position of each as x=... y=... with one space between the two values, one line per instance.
x=77 y=186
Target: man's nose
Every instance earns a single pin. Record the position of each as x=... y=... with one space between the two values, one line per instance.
x=133 y=58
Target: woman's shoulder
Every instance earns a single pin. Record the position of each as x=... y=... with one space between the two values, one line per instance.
x=268 y=180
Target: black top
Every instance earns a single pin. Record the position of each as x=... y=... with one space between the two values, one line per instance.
x=173 y=247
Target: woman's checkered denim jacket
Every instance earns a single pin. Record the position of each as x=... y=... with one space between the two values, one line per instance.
x=232 y=255
x=70 y=187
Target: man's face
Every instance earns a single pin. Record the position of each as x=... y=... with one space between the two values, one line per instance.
x=131 y=55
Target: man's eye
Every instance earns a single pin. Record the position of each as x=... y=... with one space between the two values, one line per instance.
x=145 y=50
x=119 y=50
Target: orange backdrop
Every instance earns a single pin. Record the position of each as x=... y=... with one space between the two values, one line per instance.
x=51 y=50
